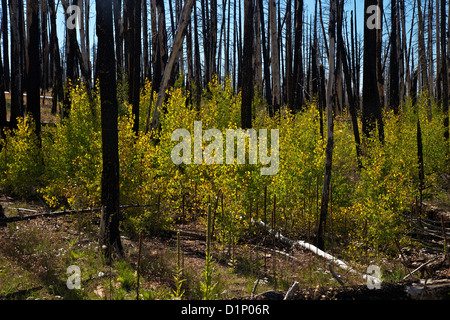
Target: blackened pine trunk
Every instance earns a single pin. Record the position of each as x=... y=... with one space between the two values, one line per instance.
x=266 y=58
x=257 y=54
x=314 y=64
x=16 y=64
x=290 y=93
x=420 y=160
x=118 y=34
x=352 y=103
x=185 y=18
x=247 y=67
x=162 y=34
x=71 y=65
x=145 y=39
x=109 y=236
x=330 y=127
x=136 y=65
x=45 y=50
x=5 y=43
x=3 y=122
x=444 y=71
x=275 y=59
x=33 y=63
x=371 y=109
x=213 y=38
x=421 y=44
x=132 y=14
x=156 y=57
x=57 y=82
x=197 y=64
x=394 y=90
x=298 y=54
x=379 y=49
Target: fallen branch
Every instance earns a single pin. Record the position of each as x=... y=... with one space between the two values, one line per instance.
x=335 y=275
x=420 y=267
x=341 y=264
x=291 y=291
x=65 y=212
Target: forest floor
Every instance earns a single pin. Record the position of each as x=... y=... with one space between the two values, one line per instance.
x=35 y=255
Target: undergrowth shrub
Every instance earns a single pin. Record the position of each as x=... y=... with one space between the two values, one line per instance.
x=72 y=155
x=366 y=204
x=20 y=159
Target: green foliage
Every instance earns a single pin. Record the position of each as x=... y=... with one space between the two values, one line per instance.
x=72 y=154
x=207 y=286
x=125 y=275
x=20 y=159
x=366 y=203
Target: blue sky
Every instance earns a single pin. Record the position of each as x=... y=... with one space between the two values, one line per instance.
x=308 y=5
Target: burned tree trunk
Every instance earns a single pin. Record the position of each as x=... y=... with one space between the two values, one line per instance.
x=247 y=67
x=275 y=60
x=330 y=127
x=444 y=71
x=394 y=90
x=371 y=109
x=33 y=63
x=5 y=43
x=16 y=65
x=177 y=43
x=57 y=82
x=109 y=236
x=298 y=54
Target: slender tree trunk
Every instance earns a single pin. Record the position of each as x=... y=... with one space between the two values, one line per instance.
x=330 y=127
x=197 y=64
x=136 y=65
x=3 y=121
x=132 y=14
x=394 y=91
x=156 y=54
x=298 y=54
x=5 y=44
x=162 y=34
x=84 y=61
x=422 y=54
x=71 y=65
x=438 y=54
x=109 y=236
x=257 y=54
x=145 y=56
x=16 y=67
x=213 y=38
x=352 y=104
x=177 y=43
x=379 y=50
x=314 y=62
x=289 y=74
x=58 y=90
x=371 y=111
x=45 y=48
x=247 y=67
x=118 y=33
x=430 y=58
x=33 y=63
x=266 y=58
x=275 y=59
x=444 y=71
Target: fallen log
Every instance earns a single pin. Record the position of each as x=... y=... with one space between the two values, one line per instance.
x=64 y=212
x=341 y=264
